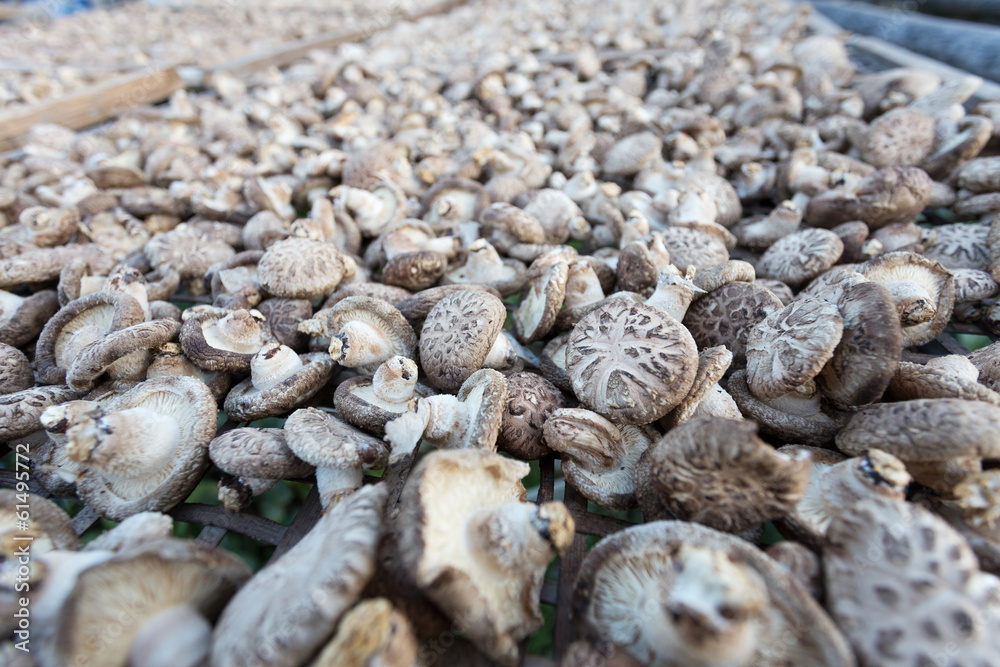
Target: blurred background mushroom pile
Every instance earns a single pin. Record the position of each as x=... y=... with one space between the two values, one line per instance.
x=425 y=309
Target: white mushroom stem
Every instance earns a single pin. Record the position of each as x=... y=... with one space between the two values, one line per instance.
x=395 y=380
x=517 y=536
x=130 y=444
x=674 y=292
x=914 y=303
x=272 y=365
x=176 y=636
x=134 y=289
x=335 y=483
x=501 y=354
x=359 y=344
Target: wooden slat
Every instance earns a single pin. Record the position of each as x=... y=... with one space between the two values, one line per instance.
x=569 y=566
x=84 y=519
x=952 y=345
x=588 y=523
x=546 y=479
x=211 y=535
x=254 y=527
x=89 y=106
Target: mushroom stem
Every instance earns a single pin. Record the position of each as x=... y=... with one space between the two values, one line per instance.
x=124 y=445
x=336 y=483
x=674 y=293
x=501 y=354
x=914 y=303
x=517 y=532
x=272 y=365
x=176 y=636
x=359 y=344
x=395 y=382
x=446 y=421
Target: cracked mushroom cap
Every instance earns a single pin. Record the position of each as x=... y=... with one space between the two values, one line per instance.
x=221 y=340
x=461 y=334
x=714 y=277
x=318 y=580
x=279 y=380
x=98 y=615
x=798 y=258
x=690 y=246
x=541 y=299
x=790 y=347
x=869 y=350
x=836 y=482
x=717 y=472
x=599 y=459
x=147 y=450
x=476 y=548
x=726 y=316
x=415 y=307
x=706 y=398
x=123 y=354
x=363 y=332
x=339 y=451
x=300 y=268
x=922 y=289
x=15 y=370
x=630 y=362
x=677 y=593
x=371 y=402
x=79 y=323
x=23 y=318
x=904 y=586
x=257 y=452
x=937 y=438
x=531 y=399
x=952 y=376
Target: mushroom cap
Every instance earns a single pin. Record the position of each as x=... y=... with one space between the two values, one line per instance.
x=415 y=307
x=47 y=518
x=960 y=246
x=389 y=293
x=713 y=277
x=22 y=320
x=104 y=354
x=257 y=452
x=15 y=370
x=36 y=266
x=900 y=267
x=415 y=270
x=495 y=604
x=373 y=632
x=77 y=323
x=922 y=381
x=726 y=316
x=484 y=394
x=300 y=268
x=359 y=402
x=484 y=266
x=104 y=595
x=866 y=358
x=901 y=137
x=220 y=340
x=790 y=347
x=631 y=362
x=247 y=403
x=541 y=299
x=186 y=250
x=717 y=472
x=381 y=316
x=531 y=399
x=798 y=258
x=318 y=580
x=629 y=582
x=323 y=440
x=19 y=411
x=457 y=336
x=713 y=362
x=925 y=430
x=632 y=154
x=452 y=201
x=283 y=316
x=902 y=585
x=187 y=401
x=690 y=246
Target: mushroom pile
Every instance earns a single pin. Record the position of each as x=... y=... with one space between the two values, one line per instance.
x=684 y=249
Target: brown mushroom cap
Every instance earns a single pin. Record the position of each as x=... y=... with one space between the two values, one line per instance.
x=259 y=396
x=935 y=381
x=187 y=250
x=78 y=323
x=690 y=246
x=790 y=347
x=530 y=400
x=717 y=472
x=318 y=579
x=363 y=332
x=21 y=319
x=632 y=154
x=324 y=441
x=903 y=585
x=19 y=411
x=866 y=358
x=300 y=268
x=631 y=362
x=887 y=196
x=15 y=370
x=415 y=307
x=798 y=258
x=44 y=264
x=458 y=335
x=220 y=340
x=415 y=271
x=714 y=277
x=123 y=354
x=726 y=316
x=452 y=201
x=283 y=316
x=629 y=595
x=257 y=452
x=901 y=137
x=373 y=632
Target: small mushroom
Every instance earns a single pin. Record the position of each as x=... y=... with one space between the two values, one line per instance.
x=484 y=266
x=20 y=410
x=887 y=196
x=363 y=332
x=124 y=354
x=630 y=362
x=901 y=137
x=952 y=376
x=540 y=301
x=339 y=452
x=370 y=402
x=253 y=455
x=798 y=258
x=476 y=548
x=147 y=450
x=220 y=340
x=717 y=472
x=300 y=268
x=318 y=581
x=279 y=380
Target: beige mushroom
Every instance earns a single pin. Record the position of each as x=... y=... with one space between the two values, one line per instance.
x=279 y=380
x=363 y=332
x=221 y=340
